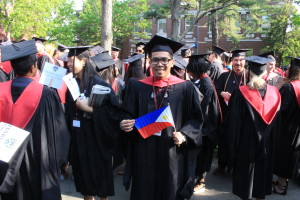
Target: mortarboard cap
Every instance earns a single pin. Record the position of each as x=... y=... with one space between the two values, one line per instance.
x=61 y=47
x=64 y=57
x=140 y=44
x=97 y=50
x=239 y=52
x=18 y=50
x=295 y=61
x=270 y=54
x=199 y=57
x=257 y=64
x=103 y=60
x=39 y=39
x=134 y=58
x=159 y=43
x=115 y=48
x=75 y=51
x=217 y=50
x=179 y=62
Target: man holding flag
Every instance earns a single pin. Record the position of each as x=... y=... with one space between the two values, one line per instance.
x=164 y=140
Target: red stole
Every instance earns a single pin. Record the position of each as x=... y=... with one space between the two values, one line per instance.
x=20 y=112
x=267 y=107
x=6 y=67
x=62 y=92
x=171 y=80
x=296 y=86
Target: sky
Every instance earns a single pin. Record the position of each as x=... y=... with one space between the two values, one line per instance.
x=78 y=4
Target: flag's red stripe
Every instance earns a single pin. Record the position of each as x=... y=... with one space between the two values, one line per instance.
x=153 y=128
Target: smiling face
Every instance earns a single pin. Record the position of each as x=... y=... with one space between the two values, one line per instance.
x=78 y=64
x=161 y=69
x=238 y=64
x=271 y=66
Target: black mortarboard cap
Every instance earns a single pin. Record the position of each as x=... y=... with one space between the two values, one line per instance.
x=64 y=57
x=239 y=52
x=134 y=58
x=295 y=61
x=179 y=62
x=103 y=60
x=115 y=48
x=75 y=51
x=199 y=57
x=217 y=50
x=61 y=47
x=18 y=50
x=159 y=43
x=270 y=54
x=257 y=64
x=140 y=44
x=97 y=50
x=39 y=39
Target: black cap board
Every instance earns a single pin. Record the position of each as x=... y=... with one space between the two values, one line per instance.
x=40 y=39
x=61 y=47
x=18 y=50
x=140 y=44
x=239 y=52
x=97 y=50
x=199 y=57
x=217 y=50
x=270 y=54
x=295 y=61
x=75 y=51
x=64 y=57
x=159 y=43
x=134 y=58
x=257 y=64
x=179 y=62
x=115 y=48
x=103 y=60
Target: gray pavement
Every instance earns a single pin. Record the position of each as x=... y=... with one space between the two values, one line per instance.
x=217 y=188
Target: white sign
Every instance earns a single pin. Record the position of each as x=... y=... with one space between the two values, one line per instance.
x=11 y=138
x=72 y=85
x=52 y=75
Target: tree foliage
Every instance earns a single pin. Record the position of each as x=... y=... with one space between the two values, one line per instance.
x=30 y=17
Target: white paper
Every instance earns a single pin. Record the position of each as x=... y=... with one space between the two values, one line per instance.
x=11 y=138
x=158 y=133
x=72 y=85
x=52 y=75
x=76 y=123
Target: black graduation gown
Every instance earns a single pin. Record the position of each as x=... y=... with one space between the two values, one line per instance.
x=156 y=167
x=215 y=71
x=288 y=154
x=252 y=145
x=211 y=115
x=93 y=145
x=38 y=175
x=228 y=82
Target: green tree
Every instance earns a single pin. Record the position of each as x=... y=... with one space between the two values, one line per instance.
x=30 y=17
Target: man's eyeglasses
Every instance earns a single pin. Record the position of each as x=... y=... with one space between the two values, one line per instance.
x=163 y=60
x=140 y=51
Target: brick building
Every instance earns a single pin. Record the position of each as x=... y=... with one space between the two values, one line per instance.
x=200 y=35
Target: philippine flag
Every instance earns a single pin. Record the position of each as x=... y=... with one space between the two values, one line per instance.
x=154 y=122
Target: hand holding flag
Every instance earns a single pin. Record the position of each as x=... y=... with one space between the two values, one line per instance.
x=154 y=122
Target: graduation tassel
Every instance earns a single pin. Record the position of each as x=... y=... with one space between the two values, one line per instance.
x=73 y=68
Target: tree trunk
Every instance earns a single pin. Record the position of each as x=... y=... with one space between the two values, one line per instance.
x=106 y=31
x=175 y=8
x=214 y=28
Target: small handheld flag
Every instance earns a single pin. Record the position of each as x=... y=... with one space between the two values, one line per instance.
x=154 y=122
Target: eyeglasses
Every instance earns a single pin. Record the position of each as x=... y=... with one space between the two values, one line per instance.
x=140 y=51
x=163 y=60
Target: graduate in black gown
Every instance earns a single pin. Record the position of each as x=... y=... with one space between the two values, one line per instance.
x=162 y=167
x=43 y=56
x=252 y=128
x=225 y=85
x=212 y=116
x=288 y=153
x=33 y=173
x=215 y=57
x=135 y=68
x=94 y=142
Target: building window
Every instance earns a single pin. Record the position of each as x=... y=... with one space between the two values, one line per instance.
x=265 y=22
x=162 y=27
x=188 y=22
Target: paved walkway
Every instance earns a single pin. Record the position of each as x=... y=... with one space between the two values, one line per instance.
x=217 y=188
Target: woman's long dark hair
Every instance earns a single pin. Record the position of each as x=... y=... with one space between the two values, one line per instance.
x=108 y=74
x=294 y=72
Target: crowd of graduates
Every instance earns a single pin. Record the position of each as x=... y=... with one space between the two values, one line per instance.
x=245 y=108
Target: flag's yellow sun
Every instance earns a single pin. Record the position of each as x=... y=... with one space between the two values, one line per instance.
x=165 y=117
